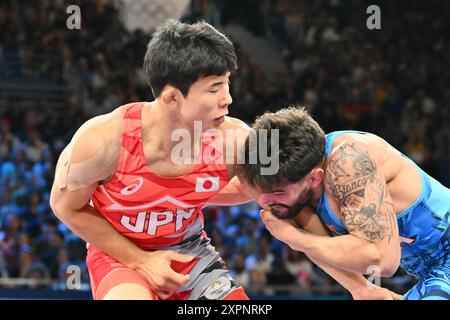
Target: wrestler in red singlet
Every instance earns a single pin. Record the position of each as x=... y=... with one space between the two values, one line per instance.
x=158 y=212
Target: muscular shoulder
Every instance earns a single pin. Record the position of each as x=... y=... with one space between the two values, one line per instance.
x=231 y=123
x=364 y=145
x=376 y=146
x=101 y=132
x=349 y=138
x=349 y=165
x=349 y=145
x=93 y=153
x=234 y=133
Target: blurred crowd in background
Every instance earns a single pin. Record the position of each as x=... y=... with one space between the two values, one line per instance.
x=392 y=82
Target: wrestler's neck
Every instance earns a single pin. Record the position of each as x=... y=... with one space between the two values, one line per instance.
x=159 y=122
x=316 y=194
x=319 y=189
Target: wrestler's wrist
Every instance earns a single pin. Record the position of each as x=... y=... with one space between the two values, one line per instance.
x=359 y=290
x=297 y=242
x=136 y=259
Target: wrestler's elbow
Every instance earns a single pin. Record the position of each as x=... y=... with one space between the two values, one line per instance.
x=389 y=261
x=57 y=204
x=389 y=266
x=378 y=261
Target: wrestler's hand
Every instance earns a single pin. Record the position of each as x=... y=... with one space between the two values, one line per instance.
x=279 y=228
x=155 y=268
x=375 y=293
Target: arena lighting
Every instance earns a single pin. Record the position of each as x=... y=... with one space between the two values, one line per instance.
x=147 y=15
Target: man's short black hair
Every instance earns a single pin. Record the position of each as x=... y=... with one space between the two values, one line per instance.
x=179 y=54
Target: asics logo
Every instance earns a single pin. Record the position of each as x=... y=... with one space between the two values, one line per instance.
x=132 y=188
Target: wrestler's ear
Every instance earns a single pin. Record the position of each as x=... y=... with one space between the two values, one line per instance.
x=171 y=96
x=316 y=177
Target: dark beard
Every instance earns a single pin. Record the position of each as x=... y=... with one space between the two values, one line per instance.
x=293 y=210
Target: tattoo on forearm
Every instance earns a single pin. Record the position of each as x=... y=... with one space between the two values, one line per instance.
x=366 y=207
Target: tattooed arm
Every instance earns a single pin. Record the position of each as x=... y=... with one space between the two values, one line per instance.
x=355 y=283
x=312 y=228
x=366 y=209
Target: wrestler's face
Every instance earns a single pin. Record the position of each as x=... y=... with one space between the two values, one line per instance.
x=287 y=200
x=207 y=101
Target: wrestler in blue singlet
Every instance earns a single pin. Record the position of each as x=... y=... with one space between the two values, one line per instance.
x=424 y=234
